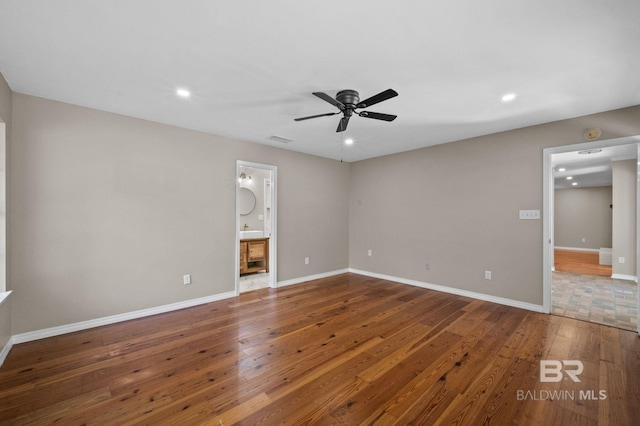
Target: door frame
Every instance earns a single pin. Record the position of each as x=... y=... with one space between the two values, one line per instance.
x=273 y=239
x=638 y=231
x=548 y=210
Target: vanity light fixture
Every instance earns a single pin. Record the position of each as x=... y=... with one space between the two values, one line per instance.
x=243 y=177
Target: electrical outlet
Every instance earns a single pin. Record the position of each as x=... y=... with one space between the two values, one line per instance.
x=621 y=260
x=369 y=252
x=487 y=275
x=186 y=279
x=427 y=266
x=306 y=260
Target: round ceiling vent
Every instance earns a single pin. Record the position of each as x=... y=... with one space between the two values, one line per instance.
x=592 y=134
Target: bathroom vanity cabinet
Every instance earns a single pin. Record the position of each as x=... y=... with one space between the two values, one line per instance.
x=254 y=255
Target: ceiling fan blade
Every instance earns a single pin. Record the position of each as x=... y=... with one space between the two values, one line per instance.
x=329 y=99
x=382 y=96
x=316 y=116
x=342 y=125
x=377 y=115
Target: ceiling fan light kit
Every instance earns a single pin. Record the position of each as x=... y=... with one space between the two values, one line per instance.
x=348 y=101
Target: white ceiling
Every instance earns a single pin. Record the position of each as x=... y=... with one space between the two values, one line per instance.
x=251 y=66
x=587 y=168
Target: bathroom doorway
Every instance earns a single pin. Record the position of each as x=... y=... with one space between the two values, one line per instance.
x=256 y=226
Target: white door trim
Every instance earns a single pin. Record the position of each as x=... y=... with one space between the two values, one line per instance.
x=273 y=251
x=638 y=231
x=547 y=206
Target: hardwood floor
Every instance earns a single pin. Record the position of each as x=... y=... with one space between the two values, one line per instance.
x=580 y=262
x=342 y=350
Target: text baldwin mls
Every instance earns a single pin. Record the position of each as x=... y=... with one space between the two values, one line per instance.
x=552 y=370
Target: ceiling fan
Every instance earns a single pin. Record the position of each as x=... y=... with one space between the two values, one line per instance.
x=347 y=101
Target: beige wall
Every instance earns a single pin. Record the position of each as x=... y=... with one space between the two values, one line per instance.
x=583 y=213
x=463 y=199
x=5 y=117
x=109 y=212
x=624 y=217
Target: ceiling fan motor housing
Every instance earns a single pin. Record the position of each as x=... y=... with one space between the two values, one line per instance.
x=350 y=99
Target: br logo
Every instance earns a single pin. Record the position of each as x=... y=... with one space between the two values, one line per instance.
x=551 y=370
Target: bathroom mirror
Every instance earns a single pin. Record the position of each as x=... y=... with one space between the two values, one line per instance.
x=247 y=201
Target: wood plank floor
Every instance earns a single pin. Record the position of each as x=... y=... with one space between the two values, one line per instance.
x=342 y=350
x=580 y=262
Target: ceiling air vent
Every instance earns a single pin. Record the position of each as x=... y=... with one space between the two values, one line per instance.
x=280 y=139
x=590 y=151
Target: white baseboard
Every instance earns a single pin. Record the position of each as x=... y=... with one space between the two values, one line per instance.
x=7 y=347
x=5 y=351
x=4 y=296
x=577 y=249
x=70 y=328
x=84 y=325
x=311 y=277
x=456 y=291
x=624 y=277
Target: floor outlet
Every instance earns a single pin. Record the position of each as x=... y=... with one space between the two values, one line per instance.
x=186 y=279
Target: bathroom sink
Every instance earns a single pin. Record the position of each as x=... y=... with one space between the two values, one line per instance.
x=244 y=235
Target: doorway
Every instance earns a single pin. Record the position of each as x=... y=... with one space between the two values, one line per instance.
x=256 y=226
x=609 y=300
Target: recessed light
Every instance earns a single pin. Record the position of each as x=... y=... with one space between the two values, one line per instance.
x=183 y=93
x=574 y=183
x=508 y=97
x=569 y=177
x=562 y=169
x=348 y=141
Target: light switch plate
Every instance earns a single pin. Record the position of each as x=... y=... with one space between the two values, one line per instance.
x=529 y=214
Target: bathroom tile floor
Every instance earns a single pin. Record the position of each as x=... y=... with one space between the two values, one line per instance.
x=255 y=281
x=597 y=299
